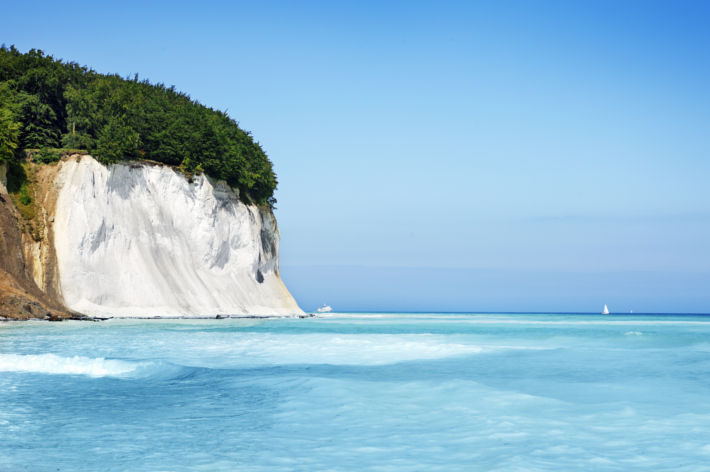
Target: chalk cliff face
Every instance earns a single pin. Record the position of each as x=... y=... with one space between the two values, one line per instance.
x=139 y=240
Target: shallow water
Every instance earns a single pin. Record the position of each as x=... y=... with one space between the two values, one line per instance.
x=380 y=392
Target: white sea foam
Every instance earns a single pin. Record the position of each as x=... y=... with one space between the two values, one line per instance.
x=77 y=365
x=335 y=349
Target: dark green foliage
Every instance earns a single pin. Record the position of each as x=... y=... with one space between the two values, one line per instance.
x=78 y=141
x=25 y=197
x=47 y=155
x=117 y=141
x=38 y=123
x=16 y=176
x=62 y=104
x=9 y=126
x=9 y=134
x=19 y=185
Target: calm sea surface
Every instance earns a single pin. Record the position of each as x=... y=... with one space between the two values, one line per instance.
x=373 y=392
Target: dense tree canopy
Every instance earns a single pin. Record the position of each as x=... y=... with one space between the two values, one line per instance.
x=48 y=103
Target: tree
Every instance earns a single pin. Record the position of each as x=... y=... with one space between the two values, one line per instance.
x=82 y=119
x=9 y=134
x=117 y=141
x=117 y=119
x=38 y=123
x=9 y=126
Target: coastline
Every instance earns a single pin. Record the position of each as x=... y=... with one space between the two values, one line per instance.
x=79 y=317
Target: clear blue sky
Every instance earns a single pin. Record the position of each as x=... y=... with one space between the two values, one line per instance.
x=470 y=156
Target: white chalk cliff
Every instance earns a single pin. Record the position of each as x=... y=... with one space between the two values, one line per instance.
x=139 y=240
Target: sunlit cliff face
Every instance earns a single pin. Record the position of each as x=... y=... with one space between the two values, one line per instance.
x=141 y=240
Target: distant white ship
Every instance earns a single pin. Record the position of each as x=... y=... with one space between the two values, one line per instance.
x=606 y=310
x=325 y=309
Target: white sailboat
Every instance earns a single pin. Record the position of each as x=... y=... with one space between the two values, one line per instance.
x=606 y=310
x=325 y=309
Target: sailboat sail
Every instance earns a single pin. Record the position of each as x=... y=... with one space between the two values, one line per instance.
x=606 y=310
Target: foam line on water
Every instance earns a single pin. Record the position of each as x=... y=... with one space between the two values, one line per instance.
x=77 y=365
x=597 y=323
x=484 y=320
x=226 y=350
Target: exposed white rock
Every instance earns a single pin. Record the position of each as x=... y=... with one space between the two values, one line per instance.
x=140 y=240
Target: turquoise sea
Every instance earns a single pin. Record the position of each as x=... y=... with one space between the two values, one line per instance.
x=358 y=392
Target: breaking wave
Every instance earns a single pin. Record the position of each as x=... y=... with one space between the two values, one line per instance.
x=77 y=365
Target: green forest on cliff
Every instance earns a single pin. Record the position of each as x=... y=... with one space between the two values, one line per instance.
x=51 y=105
